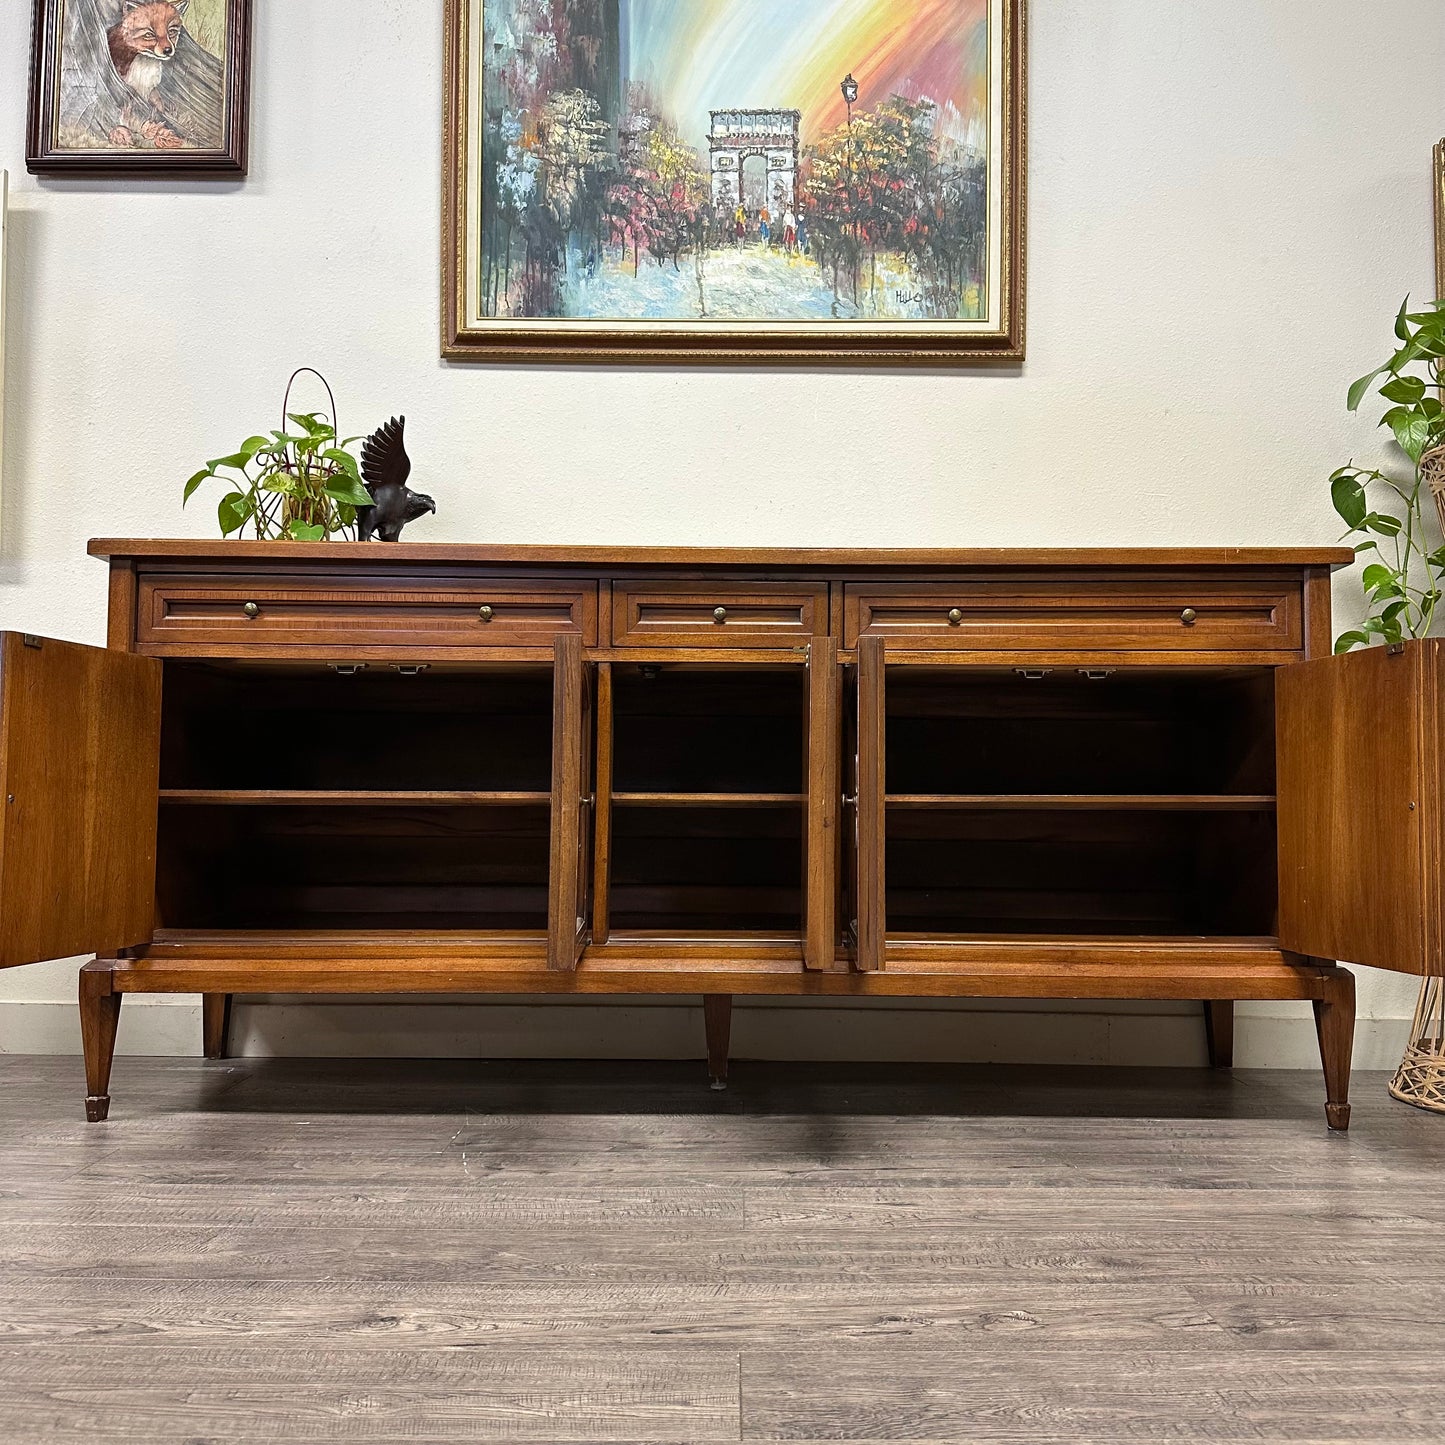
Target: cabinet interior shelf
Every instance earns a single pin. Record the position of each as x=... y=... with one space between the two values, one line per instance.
x=1089 y=802
x=706 y=800
x=347 y=798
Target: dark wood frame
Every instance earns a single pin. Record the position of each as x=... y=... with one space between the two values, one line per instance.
x=43 y=159
x=761 y=345
x=1225 y=645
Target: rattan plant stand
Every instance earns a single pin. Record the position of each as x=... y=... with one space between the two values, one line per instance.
x=1420 y=1079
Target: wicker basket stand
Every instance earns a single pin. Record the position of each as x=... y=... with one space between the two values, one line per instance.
x=1420 y=1079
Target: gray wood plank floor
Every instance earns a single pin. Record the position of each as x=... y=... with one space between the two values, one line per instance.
x=328 y=1251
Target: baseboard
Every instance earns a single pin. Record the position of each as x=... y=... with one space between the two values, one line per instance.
x=881 y=1030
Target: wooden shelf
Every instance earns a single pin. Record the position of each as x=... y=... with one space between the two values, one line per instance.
x=340 y=798
x=1089 y=802
x=707 y=800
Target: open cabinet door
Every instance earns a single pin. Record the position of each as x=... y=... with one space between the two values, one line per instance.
x=824 y=795
x=1358 y=753
x=571 y=798
x=79 y=771
x=869 y=926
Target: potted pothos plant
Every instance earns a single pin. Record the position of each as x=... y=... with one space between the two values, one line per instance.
x=296 y=484
x=1404 y=561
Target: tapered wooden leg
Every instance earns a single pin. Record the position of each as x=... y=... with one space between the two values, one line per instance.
x=1335 y=1024
x=717 y=1014
x=1219 y=1032
x=99 y=1016
x=216 y=1024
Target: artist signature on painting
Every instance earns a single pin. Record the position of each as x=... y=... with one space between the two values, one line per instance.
x=908 y=298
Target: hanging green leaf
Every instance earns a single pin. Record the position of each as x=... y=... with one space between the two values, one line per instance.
x=236 y=459
x=1362 y=386
x=1376 y=576
x=1349 y=499
x=1406 y=389
x=234 y=512
x=1412 y=432
x=205 y=474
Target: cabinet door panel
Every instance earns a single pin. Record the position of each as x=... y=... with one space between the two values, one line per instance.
x=820 y=876
x=869 y=927
x=1357 y=742
x=79 y=770
x=570 y=852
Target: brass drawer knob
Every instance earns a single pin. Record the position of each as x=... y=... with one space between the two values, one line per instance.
x=484 y=613
x=1188 y=616
x=720 y=614
x=251 y=611
x=955 y=617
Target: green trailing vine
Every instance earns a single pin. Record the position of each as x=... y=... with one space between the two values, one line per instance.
x=1404 y=568
x=298 y=484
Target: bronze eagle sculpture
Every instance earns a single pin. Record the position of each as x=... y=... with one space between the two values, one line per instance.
x=385 y=467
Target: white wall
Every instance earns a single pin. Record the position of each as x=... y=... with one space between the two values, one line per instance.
x=1227 y=203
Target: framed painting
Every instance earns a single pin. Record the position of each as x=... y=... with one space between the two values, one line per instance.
x=735 y=181
x=140 y=87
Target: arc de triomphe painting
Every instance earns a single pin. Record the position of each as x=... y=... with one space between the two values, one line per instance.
x=736 y=136
x=598 y=153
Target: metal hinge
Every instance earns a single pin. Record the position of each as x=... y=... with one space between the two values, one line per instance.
x=31 y=640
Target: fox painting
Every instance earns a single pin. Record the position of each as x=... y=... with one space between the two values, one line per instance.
x=135 y=76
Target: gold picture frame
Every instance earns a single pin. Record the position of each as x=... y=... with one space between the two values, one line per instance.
x=1440 y=220
x=961 y=324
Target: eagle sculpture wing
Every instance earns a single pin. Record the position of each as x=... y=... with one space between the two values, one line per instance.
x=384 y=462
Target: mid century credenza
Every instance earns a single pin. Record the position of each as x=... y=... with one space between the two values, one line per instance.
x=349 y=768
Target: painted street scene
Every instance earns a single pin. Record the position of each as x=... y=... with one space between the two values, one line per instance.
x=735 y=160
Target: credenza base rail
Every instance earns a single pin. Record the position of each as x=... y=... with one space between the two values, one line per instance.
x=1213 y=971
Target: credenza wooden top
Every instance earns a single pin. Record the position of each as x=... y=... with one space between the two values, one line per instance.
x=837 y=559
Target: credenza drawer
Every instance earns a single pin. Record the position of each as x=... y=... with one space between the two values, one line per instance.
x=677 y=614
x=299 y=612
x=1092 y=616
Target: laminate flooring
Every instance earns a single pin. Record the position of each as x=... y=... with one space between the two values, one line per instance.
x=328 y=1251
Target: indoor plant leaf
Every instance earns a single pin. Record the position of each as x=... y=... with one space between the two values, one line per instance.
x=234 y=512
x=344 y=489
x=236 y=459
x=1376 y=575
x=344 y=460
x=1362 y=386
x=1348 y=497
x=203 y=475
x=1405 y=389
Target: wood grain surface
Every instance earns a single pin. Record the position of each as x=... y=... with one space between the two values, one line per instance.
x=368 y=554
x=79 y=761
x=429 y=1251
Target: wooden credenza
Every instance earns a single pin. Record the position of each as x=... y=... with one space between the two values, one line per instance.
x=351 y=768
